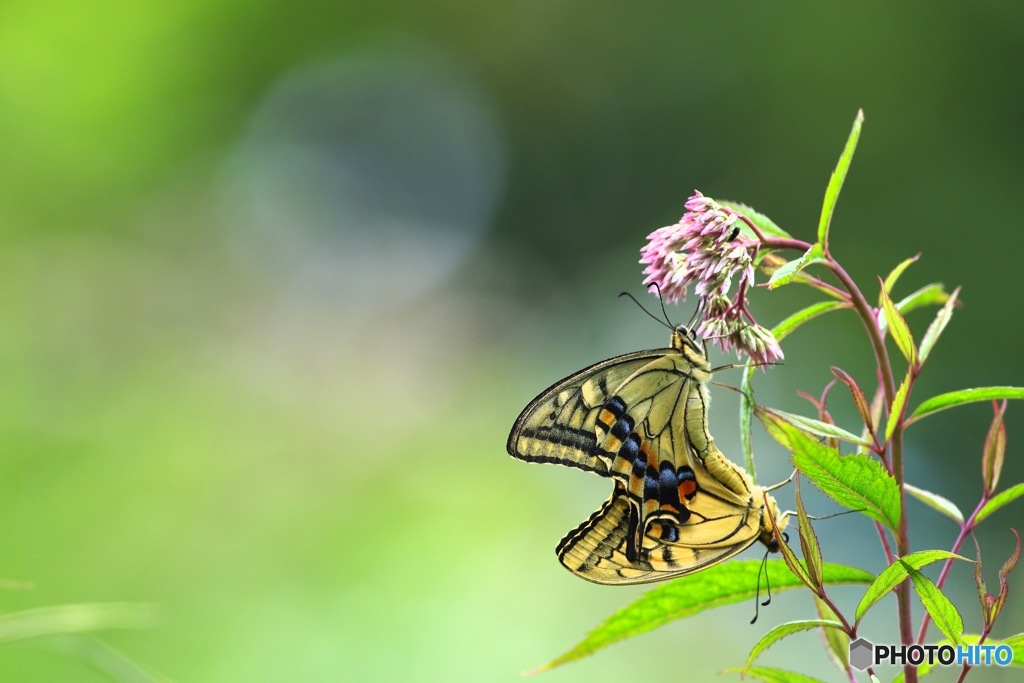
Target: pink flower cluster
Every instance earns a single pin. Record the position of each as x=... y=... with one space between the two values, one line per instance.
x=706 y=249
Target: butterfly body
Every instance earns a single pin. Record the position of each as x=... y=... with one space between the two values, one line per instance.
x=678 y=505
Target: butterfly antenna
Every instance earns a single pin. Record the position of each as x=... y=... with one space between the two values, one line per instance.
x=783 y=483
x=834 y=514
x=654 y=317
x=696 y=314
x=763 y=569
x=661 y=300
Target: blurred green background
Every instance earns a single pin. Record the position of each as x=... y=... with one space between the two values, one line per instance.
x=276 y=280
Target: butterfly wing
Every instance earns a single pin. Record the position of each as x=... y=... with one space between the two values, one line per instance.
x=722 y=519
x=597 y=549
x=560 y=424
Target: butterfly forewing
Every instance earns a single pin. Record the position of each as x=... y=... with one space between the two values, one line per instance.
x=560 y=425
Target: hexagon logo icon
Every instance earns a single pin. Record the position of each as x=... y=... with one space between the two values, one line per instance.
x=861 y=654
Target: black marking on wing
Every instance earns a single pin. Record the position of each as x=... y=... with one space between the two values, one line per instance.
x=546 y=419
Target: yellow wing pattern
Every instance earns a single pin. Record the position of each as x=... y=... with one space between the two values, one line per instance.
x=678 y=505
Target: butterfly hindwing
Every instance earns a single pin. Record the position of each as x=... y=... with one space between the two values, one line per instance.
x=596 y=550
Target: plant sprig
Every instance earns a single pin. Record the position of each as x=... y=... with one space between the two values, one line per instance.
x=871 y=480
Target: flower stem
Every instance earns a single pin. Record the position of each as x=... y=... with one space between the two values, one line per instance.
x=864 y=310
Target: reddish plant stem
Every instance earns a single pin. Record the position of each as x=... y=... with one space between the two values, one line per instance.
x=888 y=384
x=885 y=543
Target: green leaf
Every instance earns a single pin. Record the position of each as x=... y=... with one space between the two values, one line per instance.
x=994 y=450
x=979 y=583
x=835 y=183
x=783 y=630
x=783 y=329
x=818 y=427
x=859 y=399
x=113 y=664
x=837 y=643
x=746 y=414
x=770 y=262
x=798 y=568
x=857 y=481
x=1005 y=498
x=898 y=402
x=809 y=545
x=723 y=584
x=942 y=611
x=785 y=274
x=1016 y=643
x=1004 y=587
x=766 y=225
x=964 y=396
x=894 y=574
x=890 y=281
x=774 y=675
x=75 y=618
x=929 y=295
x=936 y=502
x=900 y=331
x=931 y=336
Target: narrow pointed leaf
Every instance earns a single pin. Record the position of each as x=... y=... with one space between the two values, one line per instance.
x=898 y=327
x=934 y=294
x=979 y=583
x=936 y=502
x=938 y=325
x=809 y=545
x=942 y=611
x=837 y=643
x=766 y=225
x=859 y=399
x=1004 y=573
x=768 y=675
x=994 y=450
x=783 y=630
x=877 y=404
x=770 y=262
x=890 y=281
x=894 y=574
x=723 y=584
x=798 y=568
x=746 y=415
x=930 y=295
x=835 y=183
x=898 y=403
x=818 y=427
x=74 y=618
x=784 y=328
x=964 y=396
x=785 y=274
x=856 y=481
x=1005 y=498
x=1016 y=643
